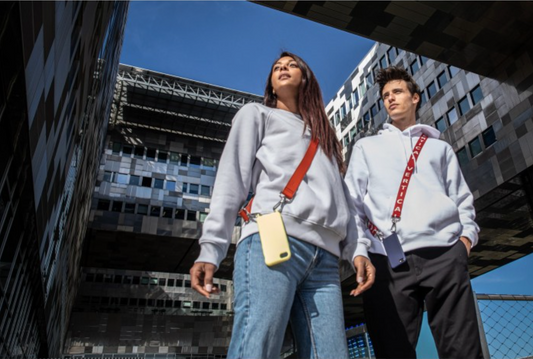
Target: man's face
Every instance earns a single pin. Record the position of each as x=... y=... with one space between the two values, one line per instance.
x=399 y=102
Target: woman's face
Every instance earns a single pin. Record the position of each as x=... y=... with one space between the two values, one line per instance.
x=286 y=77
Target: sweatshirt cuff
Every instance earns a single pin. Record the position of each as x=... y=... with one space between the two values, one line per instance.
x=210 y=253
x=361 y=250
x=471 y=235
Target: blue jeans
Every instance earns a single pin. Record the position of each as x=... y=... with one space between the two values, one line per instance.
x=305 y=289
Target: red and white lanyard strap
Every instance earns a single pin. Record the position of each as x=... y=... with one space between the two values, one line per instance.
x=290 y=189
x=406 y=178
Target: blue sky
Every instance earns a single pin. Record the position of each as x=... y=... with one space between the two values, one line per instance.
x=233 y=44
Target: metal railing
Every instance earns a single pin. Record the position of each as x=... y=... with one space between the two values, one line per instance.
x=508 y=324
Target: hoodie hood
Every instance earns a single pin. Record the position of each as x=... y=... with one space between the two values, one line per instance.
x=414 y=130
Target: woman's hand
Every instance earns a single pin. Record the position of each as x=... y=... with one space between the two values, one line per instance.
x=202 y=278
x=366 y=274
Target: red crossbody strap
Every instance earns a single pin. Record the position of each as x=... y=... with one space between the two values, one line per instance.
x=293 y=184
x=404 y=184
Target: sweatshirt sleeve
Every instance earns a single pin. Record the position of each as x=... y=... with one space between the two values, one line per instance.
x=459 y=192
x=356 y=181
x=232 y=183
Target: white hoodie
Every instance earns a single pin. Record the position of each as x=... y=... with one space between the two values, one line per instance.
x=438 y=206
x=264 y=148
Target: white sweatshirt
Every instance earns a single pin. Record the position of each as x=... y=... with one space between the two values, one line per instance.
x=264 y=148
x=438 y=207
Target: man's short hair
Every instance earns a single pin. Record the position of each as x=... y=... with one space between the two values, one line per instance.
x=392 y=73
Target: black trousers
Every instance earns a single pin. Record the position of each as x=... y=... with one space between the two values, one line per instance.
x=394 y=305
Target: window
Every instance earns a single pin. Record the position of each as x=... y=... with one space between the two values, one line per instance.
x=153 y=281
x=134 y=180
x=205 y=305
x=168 y=303
x=414 y=67
x=108 y=176
x=133 y=302
x=440 y=124
x=214 y=306
x=171 y=186
x=122 y=178
x=150 y=154
x=136 y=280
x=442 y=79
x=475 y=147
x=223 y=287
x=203 y=216
x=142 y=209
x=453 y=70
x=432 y=89
x=383 y=62
x=360 y=125
x=187 y=283
x=391 y=53
x=177 y=304
x=355 y=98
x=476 y=95
x=380 y=103
x=223 y=306
x=117 y=146
x=191 y=215
x=174 y=158
x=180 y=214
x=184 y=187
x=423 y=60
x=167 y=212
x=195 y=161
x=170 y=282
x=117 y=206
x=145 y=280
x=208 y=163
x=462 y=156
x=184 y=159
x=423 y=98
x=155 y=211
x=99 y=278
x=162 y=157
x=127 y=279
x=89 y=277
x=489 y=137
x=337 y=118
x=193 y=188
x=162 y=282
x=362 y=88
x=138 y=152
x=158 y=183
x=342 y=111
x=369 y=80
x=349 y=104
x=147 y=182
x=205 y=190
x=127 y=150
x=374 y=111
x=179 y=282
x=352 y=132
x=103 y=204
x=196 y=305
x=464 y=105
x=452 y=116
x=346 y=140
x=366 y=117
x=142 y=302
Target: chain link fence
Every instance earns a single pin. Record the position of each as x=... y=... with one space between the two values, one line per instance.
x=507 y=324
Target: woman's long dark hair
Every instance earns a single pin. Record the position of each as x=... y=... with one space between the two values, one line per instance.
x=311 y=107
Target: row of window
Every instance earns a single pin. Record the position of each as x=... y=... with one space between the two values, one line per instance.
x=465 y=104
x=158 y=183
x=132 y=279
x=476 y=146
x=162 y=156
x=153 y=211
x=160 y=303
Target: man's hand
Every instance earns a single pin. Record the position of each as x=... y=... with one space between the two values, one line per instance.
x=366 y=274
x=202 y=278
x=467 y=243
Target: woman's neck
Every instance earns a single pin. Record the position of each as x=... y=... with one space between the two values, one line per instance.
x=290 y=105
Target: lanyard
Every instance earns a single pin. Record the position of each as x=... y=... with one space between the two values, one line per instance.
x=406 y=178
x=290 y=189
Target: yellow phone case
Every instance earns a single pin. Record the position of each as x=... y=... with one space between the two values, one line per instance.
x=274 y=239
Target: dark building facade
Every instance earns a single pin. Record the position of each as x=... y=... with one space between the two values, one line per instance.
x=155 y=180
x=58 y=61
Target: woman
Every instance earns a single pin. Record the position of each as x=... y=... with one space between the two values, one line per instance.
x=264 y=148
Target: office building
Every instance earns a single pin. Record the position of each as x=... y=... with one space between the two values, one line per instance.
x=155 y=180
x=58 y=61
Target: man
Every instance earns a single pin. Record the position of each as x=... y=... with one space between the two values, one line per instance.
x=434 y=230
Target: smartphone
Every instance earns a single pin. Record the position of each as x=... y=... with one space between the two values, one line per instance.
x=274 y=239
x=394 y=250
